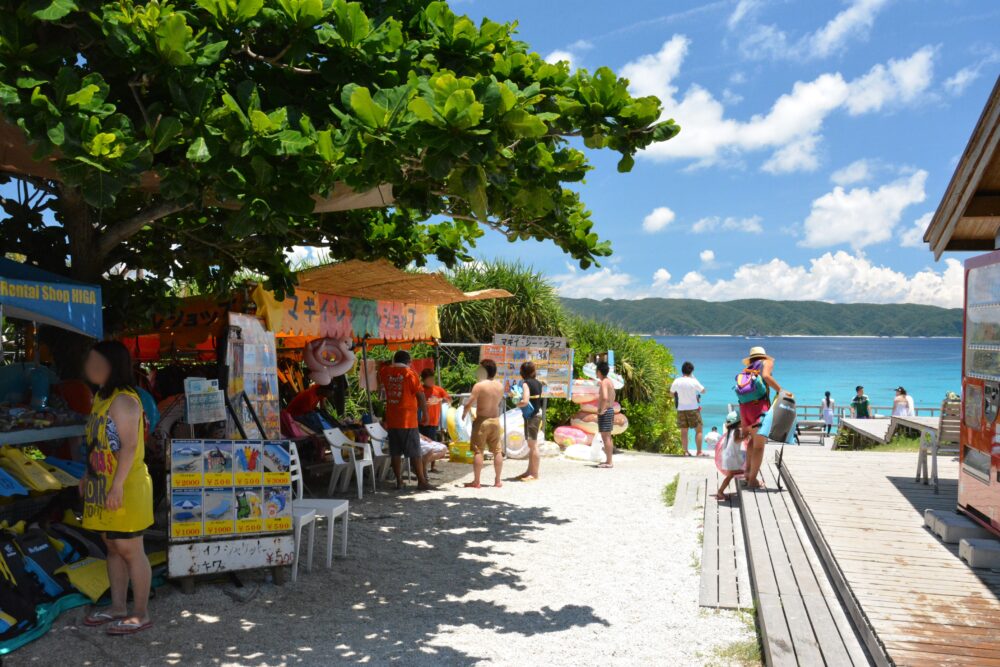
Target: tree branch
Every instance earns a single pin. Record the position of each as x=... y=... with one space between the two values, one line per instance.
x=130 y=226
x=273 y=61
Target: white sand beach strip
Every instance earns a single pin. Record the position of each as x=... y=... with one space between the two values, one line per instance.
x=585 y=567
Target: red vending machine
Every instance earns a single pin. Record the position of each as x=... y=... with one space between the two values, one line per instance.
x=979 y=477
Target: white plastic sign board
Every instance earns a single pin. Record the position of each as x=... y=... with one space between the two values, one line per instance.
x=198 y=558
x=517 y=340
x=206 y=407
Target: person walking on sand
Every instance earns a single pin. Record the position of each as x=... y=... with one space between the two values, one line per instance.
x=531 y=395
x=752 y=390
x=486 y=397
x=687 y=392
x=605 y=411
x=860 y=405
x=828 y=406
x=403 y=396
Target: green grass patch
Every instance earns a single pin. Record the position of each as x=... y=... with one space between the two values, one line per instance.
x=901 y=443
x=746 y=652
x=670 y=491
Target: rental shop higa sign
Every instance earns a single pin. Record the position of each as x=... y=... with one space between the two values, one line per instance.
x=68 y=305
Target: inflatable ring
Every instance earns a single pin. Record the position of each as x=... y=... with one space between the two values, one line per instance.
x=588 y=422
x=584 y=391
x=321 y=370
x=565 y=436
x=591 y=408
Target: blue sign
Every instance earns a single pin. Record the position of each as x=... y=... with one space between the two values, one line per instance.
x=29 y=293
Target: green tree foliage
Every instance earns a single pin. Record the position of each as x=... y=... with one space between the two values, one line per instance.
x=646 y=366
x=533 y=310
x=189 y=137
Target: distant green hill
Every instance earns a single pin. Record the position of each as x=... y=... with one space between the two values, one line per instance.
x=763 y=317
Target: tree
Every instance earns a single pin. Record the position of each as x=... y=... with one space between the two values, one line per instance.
x=192 y=139
x=535 y=308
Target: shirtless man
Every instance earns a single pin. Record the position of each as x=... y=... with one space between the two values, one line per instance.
x=486 y=396
x=605 y=411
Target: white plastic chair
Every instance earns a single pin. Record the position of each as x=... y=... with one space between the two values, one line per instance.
x=378 y=433
x=325 y=508
x=337 y=440
x=343 y=469
x=379 y=440
x=302 y=517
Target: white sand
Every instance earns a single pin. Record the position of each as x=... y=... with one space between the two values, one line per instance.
x=585 y=567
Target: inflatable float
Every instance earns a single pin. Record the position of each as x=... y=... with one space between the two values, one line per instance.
x=617 y=381
x=588 y=422
x=591 y=408
x=317 y=354
x=592 y=452
x=566 y=436
x=584 y=391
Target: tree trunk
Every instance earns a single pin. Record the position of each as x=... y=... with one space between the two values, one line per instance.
x=68 y=349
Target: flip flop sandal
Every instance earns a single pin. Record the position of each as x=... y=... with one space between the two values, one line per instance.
x=120 y=628
x=99 y=618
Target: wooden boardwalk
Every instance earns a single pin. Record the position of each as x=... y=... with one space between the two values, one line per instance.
x=869 y=429
x=725 y=579
x=802 y=622
x=913 y=601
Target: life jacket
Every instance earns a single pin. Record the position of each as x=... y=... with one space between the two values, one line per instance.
x=750 y=384
x=42 y=560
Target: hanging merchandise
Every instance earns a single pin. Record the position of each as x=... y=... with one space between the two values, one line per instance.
x=322 y=369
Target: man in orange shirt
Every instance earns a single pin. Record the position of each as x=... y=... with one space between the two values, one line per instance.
x=430 y=419
x=403 y=396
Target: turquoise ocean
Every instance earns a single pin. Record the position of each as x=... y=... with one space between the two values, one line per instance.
x=927 y=367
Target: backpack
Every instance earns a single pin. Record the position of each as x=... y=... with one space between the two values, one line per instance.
x=750 y=385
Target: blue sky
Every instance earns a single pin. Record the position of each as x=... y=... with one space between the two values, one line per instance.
x=817 y=137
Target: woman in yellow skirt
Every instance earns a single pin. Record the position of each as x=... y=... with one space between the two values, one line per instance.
x=117 y=490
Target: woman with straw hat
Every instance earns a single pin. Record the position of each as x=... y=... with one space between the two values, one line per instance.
x=752 y=390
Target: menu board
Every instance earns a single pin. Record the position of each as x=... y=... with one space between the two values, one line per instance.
x=225 y=488
x=253 y=370
x=553 y=366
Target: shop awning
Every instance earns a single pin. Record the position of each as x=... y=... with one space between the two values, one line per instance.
x=968 y=217
x=381 y=280
x=29 y=293
x=356 y=299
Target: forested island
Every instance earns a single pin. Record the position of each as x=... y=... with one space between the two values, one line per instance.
x=762 y=317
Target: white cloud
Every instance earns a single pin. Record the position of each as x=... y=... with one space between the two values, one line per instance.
x=963 y=78
x=658 y=219
x=860 y=216
x=835 y=277
x=750 y=225
x=914 y=236
x=603 y=283
x=900 y=81
x=581 y=45
x=768 y=41
x=791 y=128
x=661 y=277
x=707 y=258
x=800 y=155
x=855 y=21
x=560 y=56
x=856 y=172
x=741 y=11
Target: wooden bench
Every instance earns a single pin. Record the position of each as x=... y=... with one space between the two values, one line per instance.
x=810 y=428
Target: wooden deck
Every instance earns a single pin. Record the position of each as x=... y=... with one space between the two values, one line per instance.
x=725 y=579
x=913 y=600
x=870 y=429
x=801 y=619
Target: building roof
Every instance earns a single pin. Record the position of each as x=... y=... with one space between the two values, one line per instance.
x=380 y=280
x=968 y=217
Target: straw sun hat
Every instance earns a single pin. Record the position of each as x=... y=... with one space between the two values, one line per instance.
x=757 y=353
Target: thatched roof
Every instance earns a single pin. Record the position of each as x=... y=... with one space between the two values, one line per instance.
x=380 y=280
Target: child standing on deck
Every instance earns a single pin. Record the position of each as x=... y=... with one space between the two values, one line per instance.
x=732 y=458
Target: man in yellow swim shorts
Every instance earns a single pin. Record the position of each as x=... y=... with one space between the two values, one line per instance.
x=487 y=395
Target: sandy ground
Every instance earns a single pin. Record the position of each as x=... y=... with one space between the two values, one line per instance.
x=585 y=567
